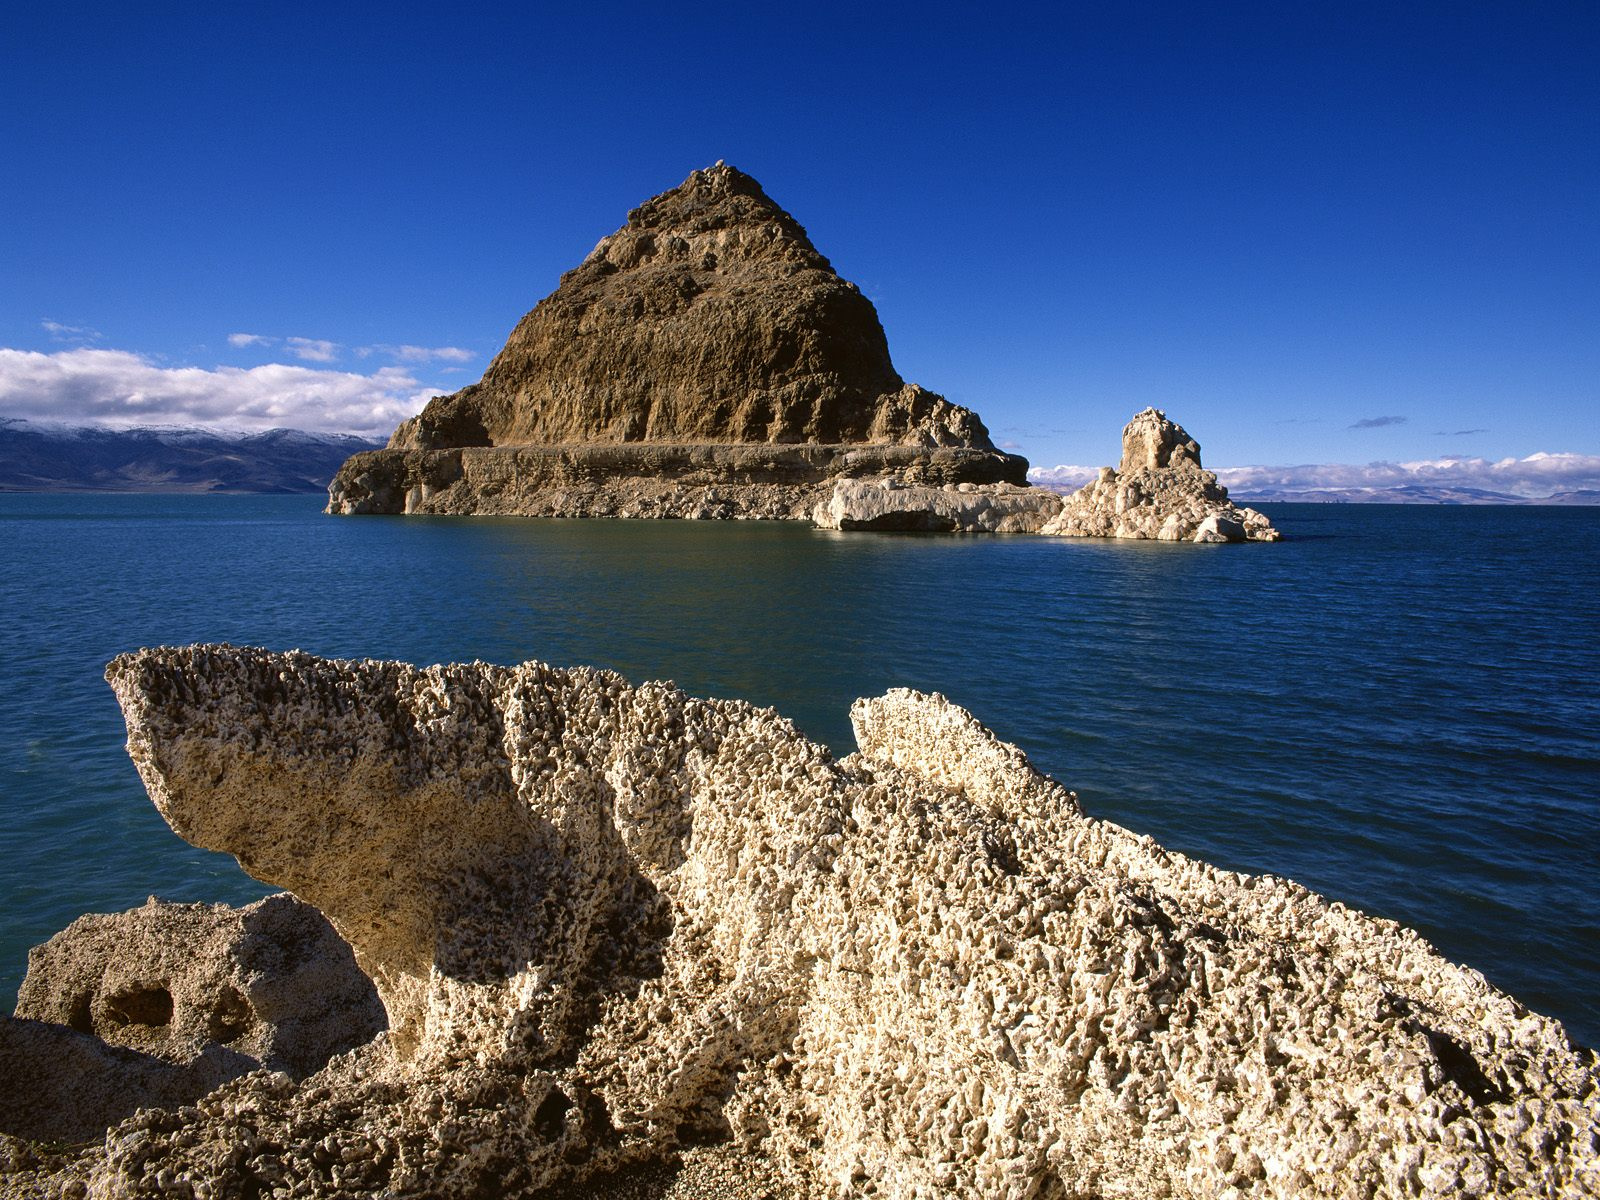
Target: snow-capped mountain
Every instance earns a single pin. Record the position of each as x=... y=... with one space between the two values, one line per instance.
x=42 y=457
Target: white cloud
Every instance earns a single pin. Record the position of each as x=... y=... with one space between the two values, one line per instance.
x=418 y=354
x=69 y=333
x=119 y=388
x=1062 y=478
x=312 y=349
x=422 y=354
x=1533 y=477
x=323 y=350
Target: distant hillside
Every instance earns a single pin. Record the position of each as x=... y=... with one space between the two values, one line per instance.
x=1410 y=493
x=61 y=458
x=1066 y=480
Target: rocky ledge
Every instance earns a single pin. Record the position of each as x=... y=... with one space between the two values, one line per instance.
x=638 y=479
x=611 y=921
x=1159 y=492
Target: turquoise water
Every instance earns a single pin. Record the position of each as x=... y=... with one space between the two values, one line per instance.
x=1400 y=707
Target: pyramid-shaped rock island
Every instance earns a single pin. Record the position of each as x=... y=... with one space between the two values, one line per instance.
x=705 y=361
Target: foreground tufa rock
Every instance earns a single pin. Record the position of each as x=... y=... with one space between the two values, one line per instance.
x=159 y=1005
x=1160 y=491
x=611 y=920
x=708 y=320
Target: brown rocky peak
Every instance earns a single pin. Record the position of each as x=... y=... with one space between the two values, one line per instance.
x=719 y=216
x=708 y=318
x=1150 y=442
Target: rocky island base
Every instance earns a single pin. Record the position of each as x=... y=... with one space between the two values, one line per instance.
x=635 y=479
x=1160 y=492
x=611 y=924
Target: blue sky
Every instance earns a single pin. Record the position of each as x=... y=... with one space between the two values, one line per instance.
x=1313 y=233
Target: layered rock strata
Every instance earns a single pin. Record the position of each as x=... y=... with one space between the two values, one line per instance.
x=708 y=482
x=160 y=1005
x=608 y=920
x=1159 y=491
x=708 y=320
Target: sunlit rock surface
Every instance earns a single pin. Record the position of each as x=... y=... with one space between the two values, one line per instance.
x=610 y=920
x=652 y=480
x=1159 y=491
x=889 y=504
x=708 y=322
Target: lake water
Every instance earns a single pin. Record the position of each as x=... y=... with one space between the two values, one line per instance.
x=1399 y=707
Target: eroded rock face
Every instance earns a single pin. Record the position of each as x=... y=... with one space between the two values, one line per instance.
x=271 y=982
x=708 y=319
x=889 y=504
x=703 y=482
x=161 y=1004
x=608 y=918
x=1150 y=442
x=1160 y=491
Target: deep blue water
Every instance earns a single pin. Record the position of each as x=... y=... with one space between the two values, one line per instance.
x=1399 y=707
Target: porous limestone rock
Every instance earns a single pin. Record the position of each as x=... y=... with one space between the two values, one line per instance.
x=78 y=1085
x=608 y=920
x=161 y=1004
x=955 y=508
x=1160 y=491
x=272 y=982
x=709 y=319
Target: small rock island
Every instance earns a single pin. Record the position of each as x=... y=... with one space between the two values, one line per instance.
x=706 y=361
x=703 y=361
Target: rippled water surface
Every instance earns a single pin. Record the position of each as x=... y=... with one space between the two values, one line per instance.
x=1399 y=707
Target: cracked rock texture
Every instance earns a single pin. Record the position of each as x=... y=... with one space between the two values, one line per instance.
x=1160 y=491
x=609 y=921
x=709 y=319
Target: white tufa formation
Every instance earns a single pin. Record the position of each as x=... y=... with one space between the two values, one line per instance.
x=608 y=920
x=1159 y=492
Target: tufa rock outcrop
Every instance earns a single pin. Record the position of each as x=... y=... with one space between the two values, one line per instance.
x=159 y=1005
x=1160 y=491
x=708 y=321
x=890 y=504
x=608 y=921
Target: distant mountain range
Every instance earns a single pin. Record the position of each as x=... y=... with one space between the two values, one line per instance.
x=38 y=457
x=1408 y=493
x=1401 y=493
